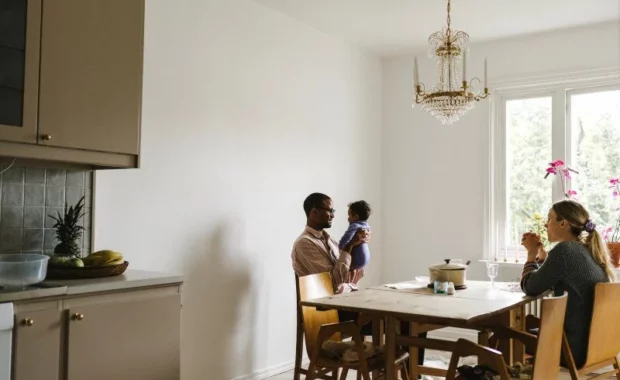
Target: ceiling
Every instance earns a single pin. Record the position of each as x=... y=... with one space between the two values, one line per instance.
x=389 y=27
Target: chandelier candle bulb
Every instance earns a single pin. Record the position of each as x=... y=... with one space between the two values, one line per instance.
x=464 y=66
x=416 y=76
x=485 y=75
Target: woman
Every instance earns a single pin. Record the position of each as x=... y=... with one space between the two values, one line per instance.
x=576 y=264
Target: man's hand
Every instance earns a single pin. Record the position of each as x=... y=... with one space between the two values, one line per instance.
x=361 y=236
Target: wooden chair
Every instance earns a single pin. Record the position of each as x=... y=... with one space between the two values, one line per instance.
x=320 y=326
x=604 y=340
x=547 y=346
x=299 y=337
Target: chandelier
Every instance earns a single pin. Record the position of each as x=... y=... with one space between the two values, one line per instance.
x=453 y=96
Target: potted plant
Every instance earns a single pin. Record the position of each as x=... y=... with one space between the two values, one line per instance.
x=612 y=234
x=68 y=232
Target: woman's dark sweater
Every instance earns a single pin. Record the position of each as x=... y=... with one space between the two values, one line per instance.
x=569 y=267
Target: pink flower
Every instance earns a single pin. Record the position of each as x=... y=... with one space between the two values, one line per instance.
x=571 y=193
x=566 y=173
x=615 y=194
x=614 y=181
x=557 y=163
x=551 y=170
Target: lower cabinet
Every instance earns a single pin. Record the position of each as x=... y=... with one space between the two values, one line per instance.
x=36 y=345
x=132 y=335
x=125 y=341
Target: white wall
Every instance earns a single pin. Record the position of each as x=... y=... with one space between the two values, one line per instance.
x=245 y=112
x=434 y=176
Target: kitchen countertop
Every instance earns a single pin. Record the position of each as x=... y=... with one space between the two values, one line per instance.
x=132 y=278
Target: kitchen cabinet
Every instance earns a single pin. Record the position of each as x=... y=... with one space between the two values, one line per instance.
x=20 y=29
x=125 y=340
x=91 y=74
x=123 y=328
x=36 y=345
x=71 y=81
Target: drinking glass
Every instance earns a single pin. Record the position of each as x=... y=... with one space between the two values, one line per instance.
x=492 y=269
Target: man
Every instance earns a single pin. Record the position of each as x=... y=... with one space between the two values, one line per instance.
x=315 y=251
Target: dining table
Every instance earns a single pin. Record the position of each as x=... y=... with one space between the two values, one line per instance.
x=479 y=306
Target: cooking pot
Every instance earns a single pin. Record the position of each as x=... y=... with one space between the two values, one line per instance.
x=449 y=272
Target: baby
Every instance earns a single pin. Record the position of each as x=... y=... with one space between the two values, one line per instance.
x=359 y=212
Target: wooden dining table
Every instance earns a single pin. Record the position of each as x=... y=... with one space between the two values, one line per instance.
x=477 y=307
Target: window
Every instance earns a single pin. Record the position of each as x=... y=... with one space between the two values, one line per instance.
x=578 y=123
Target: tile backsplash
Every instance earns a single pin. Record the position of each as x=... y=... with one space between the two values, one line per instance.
x=28 y=195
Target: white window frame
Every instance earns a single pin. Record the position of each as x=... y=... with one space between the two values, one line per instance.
x=559 y=87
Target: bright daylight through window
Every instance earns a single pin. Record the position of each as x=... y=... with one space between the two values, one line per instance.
x=534 y=130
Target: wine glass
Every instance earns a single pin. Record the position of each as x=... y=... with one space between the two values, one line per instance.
x=492 y=269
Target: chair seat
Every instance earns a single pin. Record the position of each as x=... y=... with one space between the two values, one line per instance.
x=375 y=361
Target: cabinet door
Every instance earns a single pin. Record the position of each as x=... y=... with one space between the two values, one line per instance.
x=20 y=27
x=136 y=340
x=91 y=74
x=36 y=345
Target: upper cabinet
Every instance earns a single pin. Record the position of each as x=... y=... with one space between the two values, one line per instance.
x=20 y=32
x=71 y=80
x=91 y=74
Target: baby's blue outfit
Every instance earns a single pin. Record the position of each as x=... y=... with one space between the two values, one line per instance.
x=361 y=253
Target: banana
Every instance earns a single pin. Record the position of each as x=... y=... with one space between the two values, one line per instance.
x=102 y=258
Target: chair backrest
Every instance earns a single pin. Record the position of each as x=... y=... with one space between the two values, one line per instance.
x=549 y=347
x=311 y=287
x=604 y=341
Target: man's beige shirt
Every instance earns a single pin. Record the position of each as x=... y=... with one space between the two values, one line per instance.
x=316 y=252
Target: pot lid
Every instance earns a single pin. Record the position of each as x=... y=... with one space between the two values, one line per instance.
x=449 y=266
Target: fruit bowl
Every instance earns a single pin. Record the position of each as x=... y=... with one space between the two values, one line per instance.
x=74 y=273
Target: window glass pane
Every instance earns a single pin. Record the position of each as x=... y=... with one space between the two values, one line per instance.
x=595 y=125
x=528 y=153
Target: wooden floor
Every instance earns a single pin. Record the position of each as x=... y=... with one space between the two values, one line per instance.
x=433 y=359
x=289 y=376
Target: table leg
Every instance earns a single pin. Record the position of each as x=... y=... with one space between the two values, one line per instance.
x=414 y=369
x=390 y=348
x=377 y=338
x=517 y=321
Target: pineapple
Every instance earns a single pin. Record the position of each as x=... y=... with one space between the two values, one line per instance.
x=68 y=231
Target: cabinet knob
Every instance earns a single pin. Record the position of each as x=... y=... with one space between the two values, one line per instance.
x=28 y=322
x=46 y=137
x=77 y=316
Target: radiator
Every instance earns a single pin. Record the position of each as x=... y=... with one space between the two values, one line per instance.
x=533 y=308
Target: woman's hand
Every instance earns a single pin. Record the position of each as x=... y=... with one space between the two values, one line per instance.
x=532 y=244
x=542 y=254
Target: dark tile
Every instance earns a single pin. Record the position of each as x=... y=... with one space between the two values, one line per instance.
x=35 y=175
x=49 y=239
x=49 y=222
x=88 y=179
x=55 y=177
x=12 y=194
x=34 y=195
x=12 y=216
x=75 y=178
x=34 y=217
x=55 y=196
x=33 y=239
x=73 y=195
x=13 y=175
x=11 y=238
x=89 y=197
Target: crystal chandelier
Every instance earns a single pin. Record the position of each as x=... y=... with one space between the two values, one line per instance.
x=453 y=96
